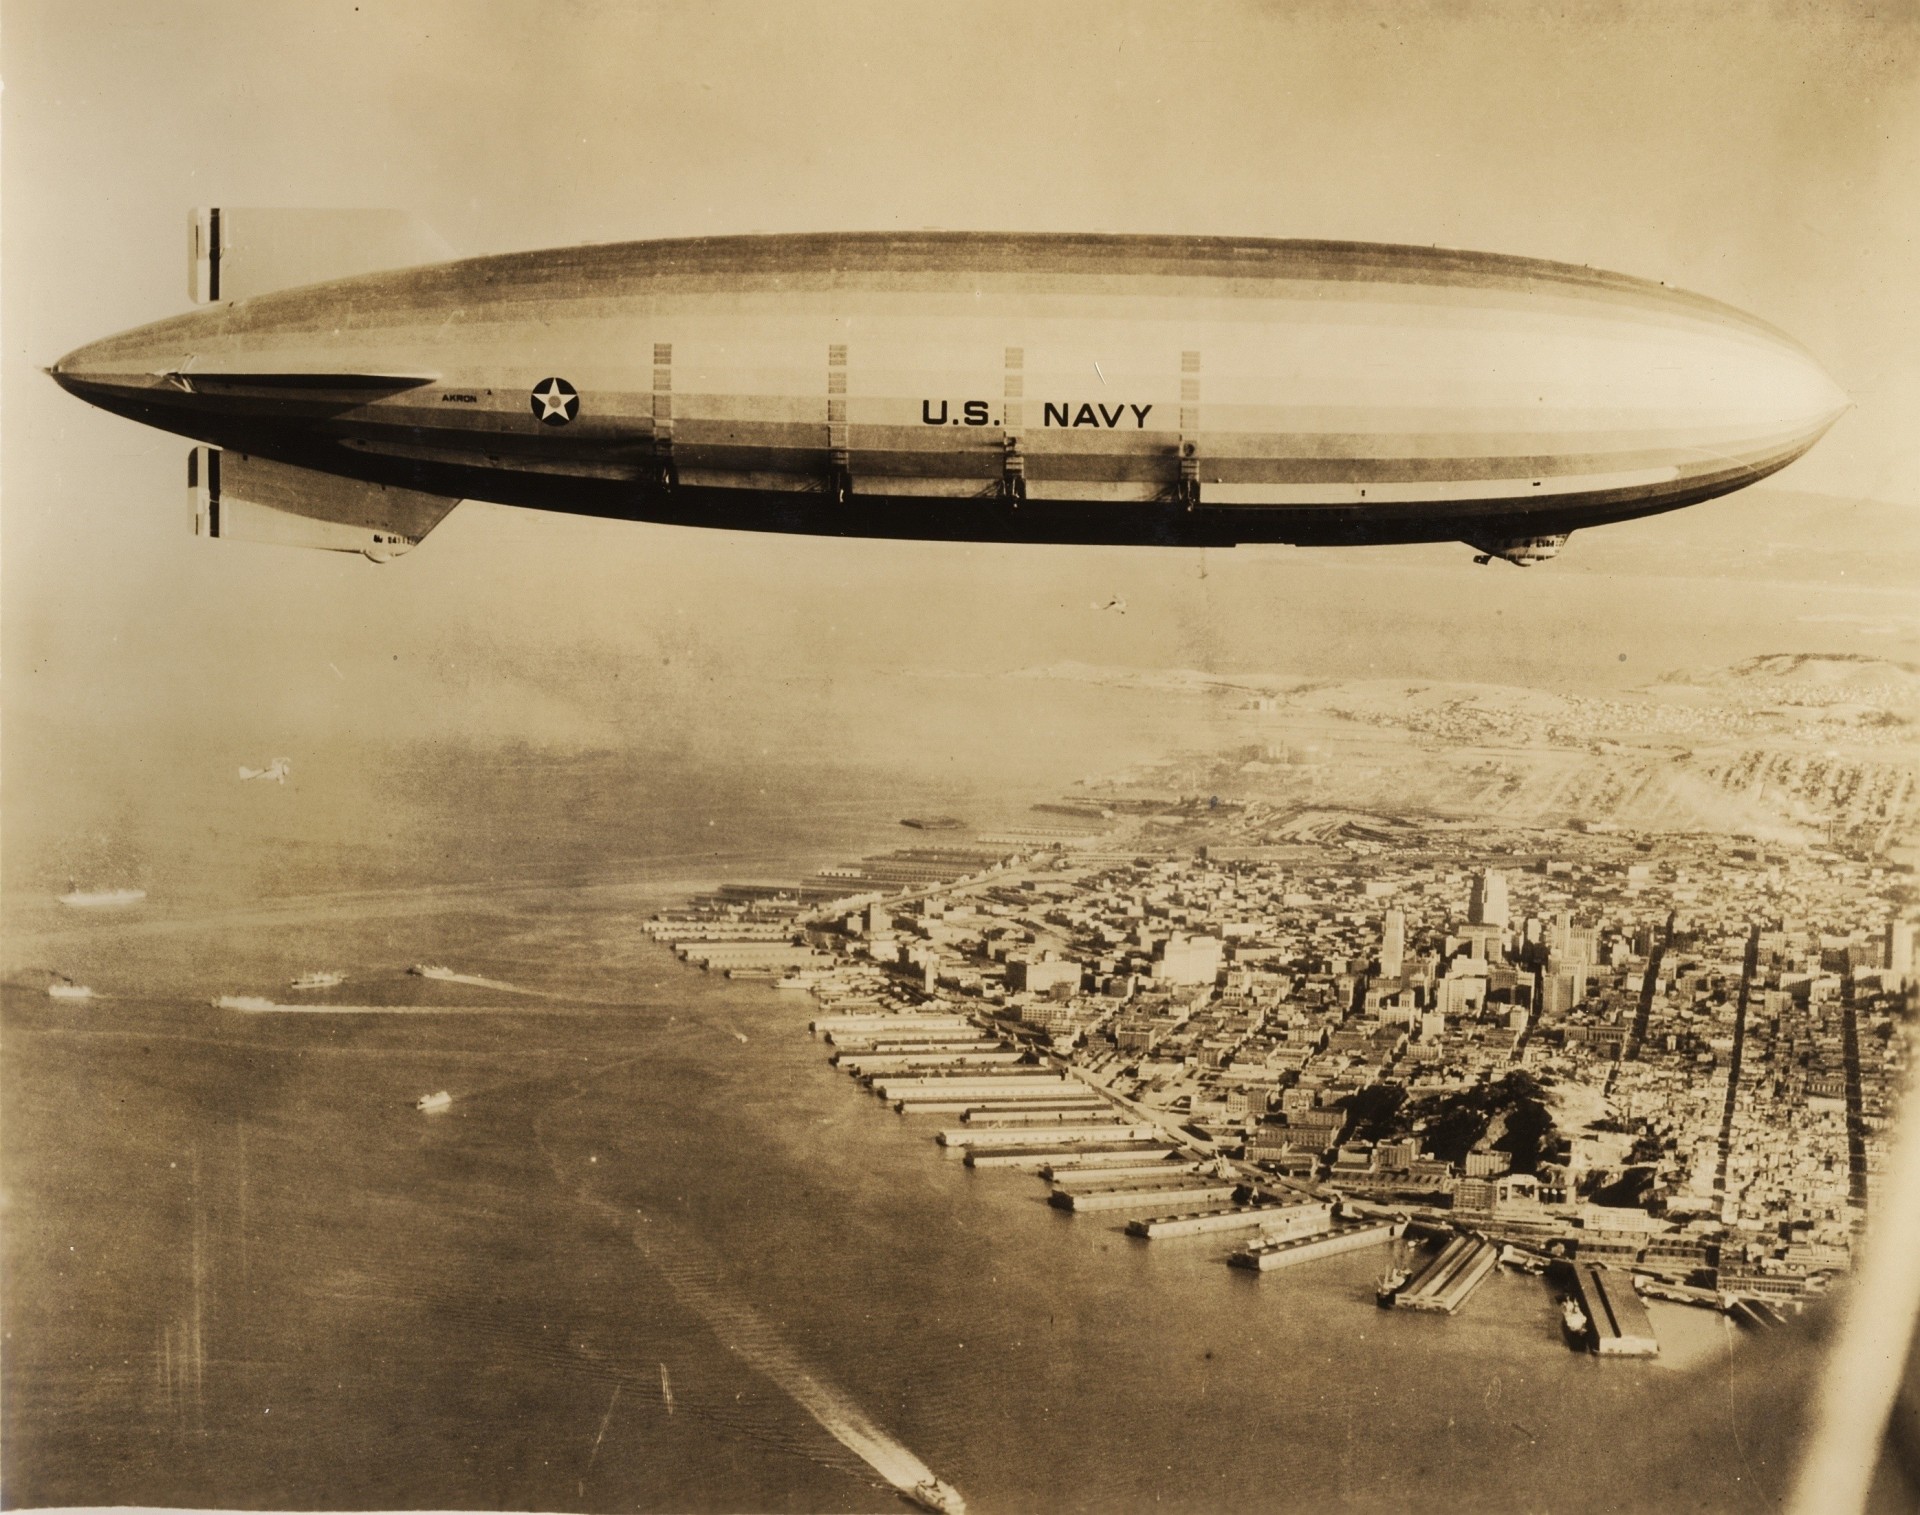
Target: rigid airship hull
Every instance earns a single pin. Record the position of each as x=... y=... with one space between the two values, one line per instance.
x=983 y=387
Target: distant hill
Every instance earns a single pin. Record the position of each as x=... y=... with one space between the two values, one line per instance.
x=1808 y=677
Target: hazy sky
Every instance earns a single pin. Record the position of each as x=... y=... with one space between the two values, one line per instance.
x=1765 y=155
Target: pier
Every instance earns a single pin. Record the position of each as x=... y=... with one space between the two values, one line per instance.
x=1617 y=1322
x=1201 y=1222
x=1074 y=1166
x=1267 y=1253
x=1448 y=1281
x=1021 y=1136
x=1045 y=1157
x=1161 y=1197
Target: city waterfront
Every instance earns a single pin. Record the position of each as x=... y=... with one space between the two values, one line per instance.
x=247 y=1269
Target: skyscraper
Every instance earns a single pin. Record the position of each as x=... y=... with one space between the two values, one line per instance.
x=1488 y=904
x=1393 y=944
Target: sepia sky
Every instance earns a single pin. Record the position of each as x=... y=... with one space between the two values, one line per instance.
x=1768 y=156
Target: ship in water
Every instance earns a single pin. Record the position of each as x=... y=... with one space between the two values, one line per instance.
x=254 y=1002
x=1521 y=1260
x=1573 y=1321
x=934 y=822
x=937 y=1495
x=1386 y=1288
x=324 y=978
x=433 y=1104
x=100 y=899
x=432 y=970
x=67 y=989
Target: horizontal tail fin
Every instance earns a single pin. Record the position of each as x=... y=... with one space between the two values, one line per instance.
x=251 y=499
x=241 y=252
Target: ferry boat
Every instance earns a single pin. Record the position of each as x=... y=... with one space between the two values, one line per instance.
x=321 y=979
x=1573 y=1320
x=940 y=1497
x=433 y=1104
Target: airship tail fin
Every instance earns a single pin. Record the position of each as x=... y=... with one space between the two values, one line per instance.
x=237 y=253
x=254 y=500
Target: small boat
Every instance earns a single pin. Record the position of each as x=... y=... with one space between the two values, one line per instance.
x=431 y=970
x=69 y=991
x=1573 y=1320
x=933 y=822
x=433 y=1104
x=321 y=979
x=666 y=1389
x=940 y=1497
x=254 y=1002
x=101 y=899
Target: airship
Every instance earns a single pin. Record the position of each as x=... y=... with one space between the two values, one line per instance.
x=961 y=386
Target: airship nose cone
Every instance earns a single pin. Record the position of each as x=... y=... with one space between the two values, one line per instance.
x=104 y=371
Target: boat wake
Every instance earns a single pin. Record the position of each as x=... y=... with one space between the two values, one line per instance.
x=448 y=976
x=255 y=1005
x=690 y=1277
x=743 y=1331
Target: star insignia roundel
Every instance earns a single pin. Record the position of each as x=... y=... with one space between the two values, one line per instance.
x=555 y=401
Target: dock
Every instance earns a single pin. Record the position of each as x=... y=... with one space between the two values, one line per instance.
x=1011 y=1083
x=868 y=1065
x=1617 y=1321
x=1026 y=1136
x=1448 y=1281
x=1265 y=1254
x=1042 y=1157
x=1078 y=1166
x=1038 y=1114
x=1201 y=1222
x=886 y=1024
x=1160 y=1198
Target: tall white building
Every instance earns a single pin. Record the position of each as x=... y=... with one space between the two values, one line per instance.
x=1488 y=904
x=1393 y=944
x=1900 y=949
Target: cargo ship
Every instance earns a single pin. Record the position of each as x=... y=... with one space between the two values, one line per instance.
x=1573 y=1321
x=1387 y=1288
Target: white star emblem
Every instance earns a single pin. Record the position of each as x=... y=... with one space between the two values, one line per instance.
x=555 y=401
